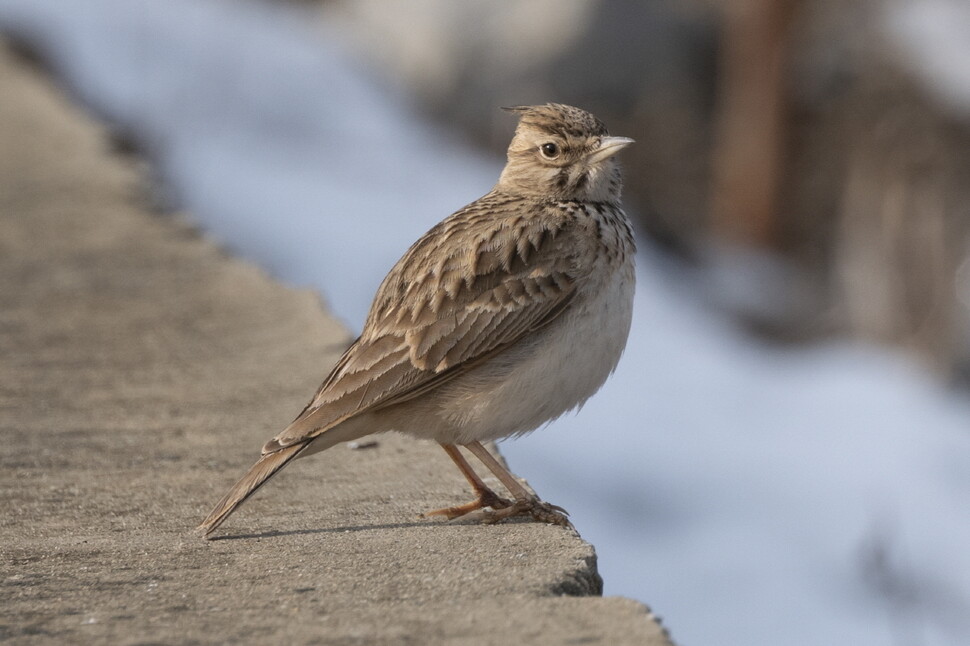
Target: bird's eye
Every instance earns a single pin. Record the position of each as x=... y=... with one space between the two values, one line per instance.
x=549 y=150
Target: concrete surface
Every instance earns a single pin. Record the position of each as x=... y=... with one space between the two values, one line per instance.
x=140 y=371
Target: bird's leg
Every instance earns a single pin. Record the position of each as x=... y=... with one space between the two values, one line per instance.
x=486 y=497
x=525 y=503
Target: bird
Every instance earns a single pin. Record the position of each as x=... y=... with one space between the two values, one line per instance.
x=502 y=317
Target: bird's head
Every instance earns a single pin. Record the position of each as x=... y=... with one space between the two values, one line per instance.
x=563 y=153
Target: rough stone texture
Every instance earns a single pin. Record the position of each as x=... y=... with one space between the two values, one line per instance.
x=140 y=371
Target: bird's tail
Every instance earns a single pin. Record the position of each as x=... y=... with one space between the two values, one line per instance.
x=263 y=470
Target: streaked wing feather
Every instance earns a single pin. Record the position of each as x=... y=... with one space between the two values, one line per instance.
x=457 y=369
x=472 y=286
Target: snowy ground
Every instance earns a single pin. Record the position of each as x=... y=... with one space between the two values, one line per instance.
x=751 y=495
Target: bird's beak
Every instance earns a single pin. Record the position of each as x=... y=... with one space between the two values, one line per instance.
x=609 y=146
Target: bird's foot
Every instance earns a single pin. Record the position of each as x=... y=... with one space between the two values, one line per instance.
x=540 y=511
x=486 y=498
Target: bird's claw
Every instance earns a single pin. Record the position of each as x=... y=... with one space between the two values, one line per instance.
x=540 y=511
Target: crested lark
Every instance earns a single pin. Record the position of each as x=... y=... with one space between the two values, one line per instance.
x=502 y=317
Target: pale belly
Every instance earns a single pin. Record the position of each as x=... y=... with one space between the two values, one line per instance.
x=566 y=364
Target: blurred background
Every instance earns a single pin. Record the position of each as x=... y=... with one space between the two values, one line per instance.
x=784 y=454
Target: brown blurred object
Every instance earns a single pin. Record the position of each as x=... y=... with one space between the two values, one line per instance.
x=864 y=186
x=877 y=196
x=902 y=220
x=749 y=140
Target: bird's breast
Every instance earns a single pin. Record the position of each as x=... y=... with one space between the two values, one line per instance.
x=561 y=367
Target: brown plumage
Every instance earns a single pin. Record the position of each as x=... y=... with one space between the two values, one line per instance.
x=469 y=335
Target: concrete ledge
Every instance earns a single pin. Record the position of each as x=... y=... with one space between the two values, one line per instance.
x=142 y=369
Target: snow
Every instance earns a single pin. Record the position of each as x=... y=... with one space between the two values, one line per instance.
x=933 y=39
x=750 y=494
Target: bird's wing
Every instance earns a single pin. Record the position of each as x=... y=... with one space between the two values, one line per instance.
x=472 y=286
